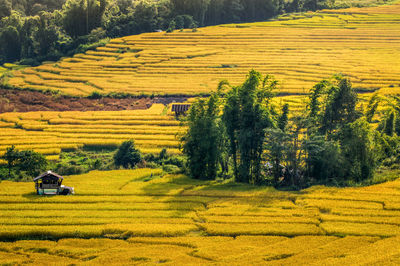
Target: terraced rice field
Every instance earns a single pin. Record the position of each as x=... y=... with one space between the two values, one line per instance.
x=153 y=129
x=52 y=132
x=141 y=216
x=299 y=50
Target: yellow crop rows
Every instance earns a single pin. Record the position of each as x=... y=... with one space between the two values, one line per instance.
x=299 y=50
x=52 y=132
x=121 y=217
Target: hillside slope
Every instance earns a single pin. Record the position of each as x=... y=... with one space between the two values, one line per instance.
x=299 y=50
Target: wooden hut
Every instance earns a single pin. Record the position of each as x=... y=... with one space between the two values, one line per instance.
x=48 y=183
x=180 y=109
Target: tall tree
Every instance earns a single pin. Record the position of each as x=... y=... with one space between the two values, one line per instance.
x=341 y=106
x=203 y=143
x=47 y=34
x=195 y=8
x=10 y=43
x=246 y=116
x=357 y=141
x=323 y=159
x=390 y=121
x=82 y=16
x=5 y=8
x=332 y=104
x=276 y=146
x=283 y=118
x=11 y=156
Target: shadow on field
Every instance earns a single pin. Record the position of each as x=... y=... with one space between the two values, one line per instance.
x=33 y=196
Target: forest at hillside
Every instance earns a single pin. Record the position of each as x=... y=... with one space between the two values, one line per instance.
x=36 y=31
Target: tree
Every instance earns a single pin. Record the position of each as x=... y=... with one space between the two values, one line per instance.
x=145 y=16
x=5 y=8
x=27 y=32
x=323 y=159
x=12 y=157
x=246 y=115
x=231 y=118
x=127 y=155
x=195 y=8
x=47 y=34
x=32 y=162
x=316 y=94
x=359 y=150
x=341 y=106
x=389 y=127
x=372 y=107
x=283 y=118
x=203 y=142
x=29 y=161
x=232 y=11
x=10 y=43
x=82 y=16
x=332 y=104
x=276 y=146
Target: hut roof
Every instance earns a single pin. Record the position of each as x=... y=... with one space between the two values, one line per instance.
x=180 y=107
x=47 y=174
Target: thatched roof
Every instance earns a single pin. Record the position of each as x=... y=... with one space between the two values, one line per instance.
x=48 y=173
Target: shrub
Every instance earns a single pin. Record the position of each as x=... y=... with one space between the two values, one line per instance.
x=127 y=155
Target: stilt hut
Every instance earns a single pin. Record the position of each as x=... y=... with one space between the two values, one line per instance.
x=49 y=183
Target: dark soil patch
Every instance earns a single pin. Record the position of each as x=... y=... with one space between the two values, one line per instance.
x=28 y=101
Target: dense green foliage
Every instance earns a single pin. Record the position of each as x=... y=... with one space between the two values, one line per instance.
x=23 y=164
x=203 y=142
x=246 y=115
x=35 y=31
x=127 y=155
x=332 y=142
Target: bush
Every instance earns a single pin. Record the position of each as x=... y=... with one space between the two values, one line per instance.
x=170 y=168
x=127 y=155
x=63 y=169
x=95 y=95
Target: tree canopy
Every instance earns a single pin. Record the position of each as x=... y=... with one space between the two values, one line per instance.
x=127 y=155
x=331 y=142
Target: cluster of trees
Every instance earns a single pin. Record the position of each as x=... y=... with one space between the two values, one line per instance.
x=22 y=165
x=239 y=131
x=34 y=31
x=212 y=12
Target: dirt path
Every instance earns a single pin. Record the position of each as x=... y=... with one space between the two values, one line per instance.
x=26 y=101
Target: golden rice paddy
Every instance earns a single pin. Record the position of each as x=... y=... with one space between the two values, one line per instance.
x=299 y=50
x=50 y=133
x=143 y=216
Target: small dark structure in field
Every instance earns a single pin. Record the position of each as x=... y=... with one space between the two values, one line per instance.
x=180 y=109
x=49 y=183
